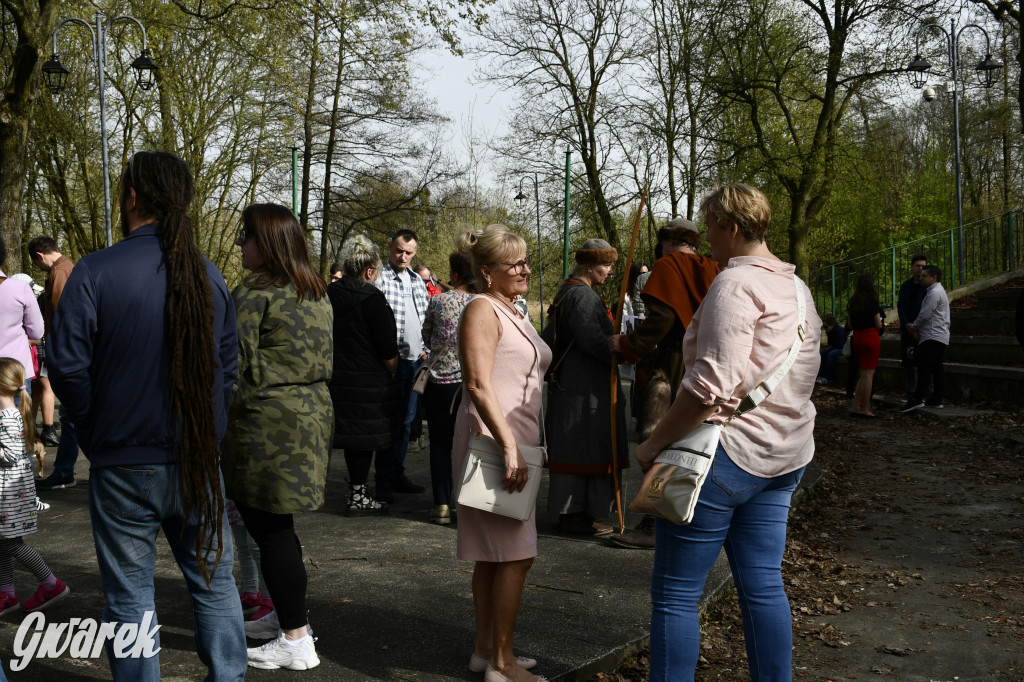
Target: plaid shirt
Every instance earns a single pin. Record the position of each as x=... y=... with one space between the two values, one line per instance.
x=391 y=284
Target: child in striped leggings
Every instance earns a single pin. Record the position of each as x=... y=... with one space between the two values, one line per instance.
x=18 y=497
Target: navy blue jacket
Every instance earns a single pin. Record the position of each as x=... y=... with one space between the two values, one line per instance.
x=108 y=355
x=837 y=337
x=908 y=303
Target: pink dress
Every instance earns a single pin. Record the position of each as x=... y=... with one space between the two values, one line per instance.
x=520 y=362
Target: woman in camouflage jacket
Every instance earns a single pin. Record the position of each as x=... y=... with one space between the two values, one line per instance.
x=281 y=420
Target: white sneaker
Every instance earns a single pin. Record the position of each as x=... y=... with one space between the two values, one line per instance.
x=280 y=653
x=264 y=628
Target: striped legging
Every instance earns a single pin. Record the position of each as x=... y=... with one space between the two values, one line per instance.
x=15 y=548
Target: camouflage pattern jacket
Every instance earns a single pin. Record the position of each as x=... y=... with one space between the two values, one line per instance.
x=280 y=422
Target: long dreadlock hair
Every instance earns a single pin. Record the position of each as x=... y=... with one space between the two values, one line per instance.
x=163 y=193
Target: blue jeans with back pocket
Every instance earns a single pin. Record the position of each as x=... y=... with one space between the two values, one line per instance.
x=129 y=507
x=747 y=515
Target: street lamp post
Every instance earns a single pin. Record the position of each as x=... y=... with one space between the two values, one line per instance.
x=540 y=255
x=295 y=180
x=918 y=70
x=55 y=75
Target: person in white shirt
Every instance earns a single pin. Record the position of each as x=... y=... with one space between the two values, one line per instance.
x=931 y=329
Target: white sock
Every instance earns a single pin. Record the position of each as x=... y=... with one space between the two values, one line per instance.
x=296 y=643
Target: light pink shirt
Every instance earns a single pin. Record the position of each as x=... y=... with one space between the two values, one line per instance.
x=20 y=320
x=739 y=336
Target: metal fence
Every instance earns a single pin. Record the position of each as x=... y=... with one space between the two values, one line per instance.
x=991 y=246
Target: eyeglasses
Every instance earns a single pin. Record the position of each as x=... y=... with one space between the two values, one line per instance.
x=519 y=267
x=243 y=233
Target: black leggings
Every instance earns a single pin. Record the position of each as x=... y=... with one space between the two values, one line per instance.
x=358 y=464
x=281 y=563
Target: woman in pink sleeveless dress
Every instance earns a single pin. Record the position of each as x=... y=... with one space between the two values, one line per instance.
x=503 y=366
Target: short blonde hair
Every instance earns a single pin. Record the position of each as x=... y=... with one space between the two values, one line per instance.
x=493 y=244
x=357 y=254
x=744 y=205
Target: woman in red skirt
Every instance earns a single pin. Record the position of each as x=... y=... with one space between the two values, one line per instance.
x=865 y=318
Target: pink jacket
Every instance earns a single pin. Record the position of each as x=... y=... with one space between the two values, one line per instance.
x=20 y=320
x=740 y=335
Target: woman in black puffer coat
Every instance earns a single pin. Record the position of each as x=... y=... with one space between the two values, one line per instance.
x=364 y=388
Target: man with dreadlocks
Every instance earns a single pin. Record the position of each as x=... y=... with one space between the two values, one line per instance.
x=143 y=353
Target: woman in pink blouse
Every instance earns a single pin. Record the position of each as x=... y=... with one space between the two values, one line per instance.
x=20 y=320
x=444 y=387
x=740 y=335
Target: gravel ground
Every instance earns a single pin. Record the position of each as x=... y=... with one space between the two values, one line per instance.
x=904 y=562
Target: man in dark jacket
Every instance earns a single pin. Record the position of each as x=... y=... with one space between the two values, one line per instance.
x=143 y=353
x=1020 y=320
x=908 y=305
x=836 y=335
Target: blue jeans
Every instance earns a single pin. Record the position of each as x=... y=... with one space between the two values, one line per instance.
x=748 y=515
x=391 y=462
x=67 y=449
x=828 y=362
x=129 y=506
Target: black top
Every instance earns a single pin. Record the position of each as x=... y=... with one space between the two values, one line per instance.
x=864 y=318
x=364 y=392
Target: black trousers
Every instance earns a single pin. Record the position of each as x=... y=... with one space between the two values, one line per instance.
x=281 y=563
x=358 y=464
x=442 y=403
x=930 y=355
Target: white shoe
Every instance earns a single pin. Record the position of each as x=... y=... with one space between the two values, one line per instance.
x=266 y=627
x=281 y=653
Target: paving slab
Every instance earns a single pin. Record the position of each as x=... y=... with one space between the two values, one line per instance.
x=387 y=597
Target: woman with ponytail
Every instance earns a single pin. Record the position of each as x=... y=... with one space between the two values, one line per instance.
x=281 y=419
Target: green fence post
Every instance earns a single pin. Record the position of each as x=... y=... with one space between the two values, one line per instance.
x=952 y=258
x=833 y=280
x=892 y=275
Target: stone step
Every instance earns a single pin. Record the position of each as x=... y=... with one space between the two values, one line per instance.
x=1004 y=299
x=964 y=383
x=999 y=351
x=982 y=323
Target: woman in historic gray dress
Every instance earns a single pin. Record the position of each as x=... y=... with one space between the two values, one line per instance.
x=579 y=397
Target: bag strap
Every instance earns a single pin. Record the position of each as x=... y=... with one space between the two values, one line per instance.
x=536 y=360
x=765 y=388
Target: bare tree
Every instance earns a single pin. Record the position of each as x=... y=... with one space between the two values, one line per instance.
x=566 y=59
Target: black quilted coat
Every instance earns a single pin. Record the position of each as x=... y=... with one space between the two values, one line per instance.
x=364 y=393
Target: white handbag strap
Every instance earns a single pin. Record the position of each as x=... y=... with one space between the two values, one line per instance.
x=764 y=389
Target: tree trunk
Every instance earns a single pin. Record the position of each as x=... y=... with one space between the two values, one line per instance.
x=34 y=22
x=798 y=229
x=332 y=138
x=307 y=122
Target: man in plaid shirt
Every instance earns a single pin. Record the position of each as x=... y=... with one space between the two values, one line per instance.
x=407 y=296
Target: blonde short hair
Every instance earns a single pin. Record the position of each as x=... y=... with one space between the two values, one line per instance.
x=742 y=204
x=493 y=244
x=357 y=254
